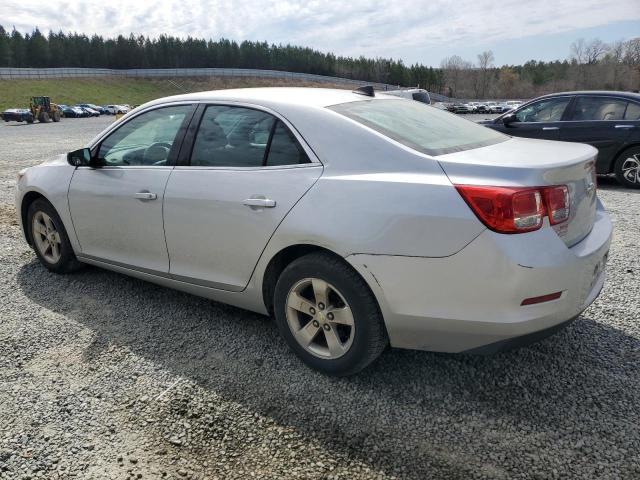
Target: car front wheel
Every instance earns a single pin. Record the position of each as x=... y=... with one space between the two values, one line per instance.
x=328 y=315
x=49 y=238
x=627 y=168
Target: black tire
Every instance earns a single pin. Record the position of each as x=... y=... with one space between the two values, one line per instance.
x=68 y=261
x=56 y=116
x=30 y=119
x=370 y=337
x=625 y=160
x=44 y=117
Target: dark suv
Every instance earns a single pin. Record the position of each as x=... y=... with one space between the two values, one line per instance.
x=610 y=121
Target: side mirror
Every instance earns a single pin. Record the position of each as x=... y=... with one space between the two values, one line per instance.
x=509 y=118
x=82 y=158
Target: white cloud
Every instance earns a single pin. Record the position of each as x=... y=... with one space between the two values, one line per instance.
x=357 y=27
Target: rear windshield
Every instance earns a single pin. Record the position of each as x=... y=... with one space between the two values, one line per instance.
x=419 y=126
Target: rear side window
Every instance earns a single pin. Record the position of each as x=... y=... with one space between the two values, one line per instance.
x=284 y=149
x=244 y=137
x=633 y=112
x=598 y=108
x=418 y=126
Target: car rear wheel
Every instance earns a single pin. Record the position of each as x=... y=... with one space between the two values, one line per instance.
x=49 y=238
x=627 y=168
x=328 y=315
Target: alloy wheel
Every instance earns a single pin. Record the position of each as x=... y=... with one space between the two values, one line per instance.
x=631 y=169
x=319 y=318
x=46 y=237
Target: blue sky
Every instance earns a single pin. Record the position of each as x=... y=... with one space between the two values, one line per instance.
x=423 y=31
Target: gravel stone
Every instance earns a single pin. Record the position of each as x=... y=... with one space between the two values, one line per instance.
x=84 y=359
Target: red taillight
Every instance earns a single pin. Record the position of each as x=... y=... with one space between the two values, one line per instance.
x=516 y=209
x=557 y=202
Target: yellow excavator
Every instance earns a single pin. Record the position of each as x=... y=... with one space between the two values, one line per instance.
x=43 y=110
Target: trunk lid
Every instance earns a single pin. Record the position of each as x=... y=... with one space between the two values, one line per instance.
x=534 y=163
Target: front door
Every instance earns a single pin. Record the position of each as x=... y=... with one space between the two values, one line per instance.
x=247 y=170
x=117 y=208
x=542 y=119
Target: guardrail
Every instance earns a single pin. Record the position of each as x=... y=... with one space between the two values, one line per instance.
x=45 y=73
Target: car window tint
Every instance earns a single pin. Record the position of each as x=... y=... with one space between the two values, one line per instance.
x=418 y=126
x=633 y=111
x=144 y=140
x=284 y=148
x=598 y=108
x=548 y=110
x=231 y=137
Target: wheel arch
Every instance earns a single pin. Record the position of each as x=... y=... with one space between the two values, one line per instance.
x=26 y=202
x=284 y=257
x=612 y=164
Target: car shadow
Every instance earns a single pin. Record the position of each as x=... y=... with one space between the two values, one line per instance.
x=562 y=389
x=609 y=183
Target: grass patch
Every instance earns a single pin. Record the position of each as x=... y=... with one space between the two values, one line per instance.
x=134 y=91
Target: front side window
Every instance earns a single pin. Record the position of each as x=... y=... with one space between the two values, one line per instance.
x=244 y=137
x=598 y=108
x=418 y=126
x=144 y=140
x=548 y=110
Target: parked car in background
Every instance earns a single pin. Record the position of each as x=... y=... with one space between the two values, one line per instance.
x=512 y=104
x=17 y=115
x=113 y=109
x=472 y=106
x=453 y=238
x=72 y=111
x=609 y=121
x=482 y=107
x=97 y=108
x=417 y=94
x=89 y=111
x=460 y=108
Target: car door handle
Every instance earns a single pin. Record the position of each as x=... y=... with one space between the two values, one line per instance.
x=624 y=126
x=145 y=196
x=549 y=128
x=259 y=202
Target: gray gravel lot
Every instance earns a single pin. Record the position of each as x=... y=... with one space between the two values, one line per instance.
x=103 y=376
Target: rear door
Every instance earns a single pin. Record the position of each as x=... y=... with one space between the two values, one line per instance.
x=246 y=169
x=598 y=121
x=541 y=119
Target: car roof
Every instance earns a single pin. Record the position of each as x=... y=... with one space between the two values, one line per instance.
x=597 y=93
x=302 y=96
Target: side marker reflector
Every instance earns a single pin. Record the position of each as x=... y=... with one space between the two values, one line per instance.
x=541 y=299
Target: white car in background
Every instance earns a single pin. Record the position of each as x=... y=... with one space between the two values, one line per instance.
x=113 y=109
x=336 y=212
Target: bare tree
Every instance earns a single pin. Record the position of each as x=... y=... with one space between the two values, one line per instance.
x=578 y=50
x=485 y=62
x=595 y=49
x=453 y=68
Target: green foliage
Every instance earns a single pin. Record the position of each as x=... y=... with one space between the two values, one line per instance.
x=78 y=50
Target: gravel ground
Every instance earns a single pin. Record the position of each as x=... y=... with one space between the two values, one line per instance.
x=107 y=377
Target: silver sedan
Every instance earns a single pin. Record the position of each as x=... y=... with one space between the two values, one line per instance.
x=357 y=220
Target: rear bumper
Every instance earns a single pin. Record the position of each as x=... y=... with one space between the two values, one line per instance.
x=472 y=299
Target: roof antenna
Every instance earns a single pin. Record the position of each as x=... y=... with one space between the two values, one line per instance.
x=365 y=90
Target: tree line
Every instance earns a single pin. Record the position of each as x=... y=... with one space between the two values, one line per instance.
x=591 y=65
x=79 y=50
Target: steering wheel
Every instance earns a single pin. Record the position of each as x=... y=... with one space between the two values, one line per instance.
x=156 y=153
